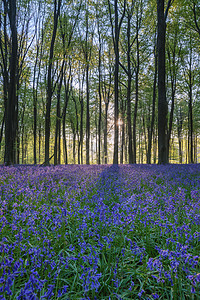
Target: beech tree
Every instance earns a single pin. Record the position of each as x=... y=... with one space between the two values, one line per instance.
x=162 y=101
x=11 y=103
x=116 y=27
x=57 y=5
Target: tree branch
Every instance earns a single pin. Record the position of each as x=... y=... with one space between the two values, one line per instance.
x=170 y=2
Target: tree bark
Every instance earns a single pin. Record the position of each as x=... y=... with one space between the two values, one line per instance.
x=115 y=36
x=179 y=129
x=162 y=102
x=190 y=122
x=116 y=84
x=136 y=94
x=106 y=134
x=130 y=141
x=1 y=131
x=58 y=119
x=10 y=117
x=49 y=80
x=100 y=100
x=67 y=94
x=153 y=108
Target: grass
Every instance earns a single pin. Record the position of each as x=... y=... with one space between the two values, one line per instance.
x=100 y=232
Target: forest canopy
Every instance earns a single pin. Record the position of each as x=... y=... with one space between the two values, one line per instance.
x=114 y=81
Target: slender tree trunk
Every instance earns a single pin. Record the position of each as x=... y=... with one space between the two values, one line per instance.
x=122 y=131
x=171 y=119
x=57 y=128
x=10 y=117
x=130 y=141
x=87 y=116
x=2 y=127
x=179 y=129
x=58 y=119
x=35 y=110
x=81 y=133
x=59 y=142
x=190 y=121
x=144 y=133
x=77 y=123
x=64 y=139
x=172 y=69
x=190 y=110
x=67 y=84
x=122 y=143
x=80 y=146
x=39 y=150
x=162 y=102
x=116 y=84
x=180 y=150
x=22 y=144
x=115 y=36
x=74 y=146
x=99 y=125
x=153 y=109
x=87 y=58
x=136 y=93
x=64 y=143
x=106 y=134
x=17 y=146
x=126 y=145
x=49 y=81
x=154 y=146
x=5 y=69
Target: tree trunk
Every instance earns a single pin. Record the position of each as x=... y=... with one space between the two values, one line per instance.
x=115 y=36
x=80 y=145
x=116 y=83
x=162 y=102
x=49 y=81
x=106 y=134
x=190 y=123
x=153 y=108
x=130 y=142
x=179 y=129
x=58 y=119
x=39 y=150
x=10 y=116
x=67 y=94
x=136 y=96
x=35 y=109
x=154 y=145
x=122 y=131
x=99 y=125
x=2 y=127
x=190 y=110
x=74 y=146
x=87 y=95
x=87 y=117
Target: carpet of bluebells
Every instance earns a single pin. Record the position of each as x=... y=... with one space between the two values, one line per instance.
x=100 y=232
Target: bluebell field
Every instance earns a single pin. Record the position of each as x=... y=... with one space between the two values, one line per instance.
x=100 y=232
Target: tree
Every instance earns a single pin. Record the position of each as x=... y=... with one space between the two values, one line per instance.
x=116 y=27
x=57 y=5
x=162 y=101
x=11 y=105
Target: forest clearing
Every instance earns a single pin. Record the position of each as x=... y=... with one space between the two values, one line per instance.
x=100 y=232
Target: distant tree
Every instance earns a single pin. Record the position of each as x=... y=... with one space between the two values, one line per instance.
x=116 y=27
